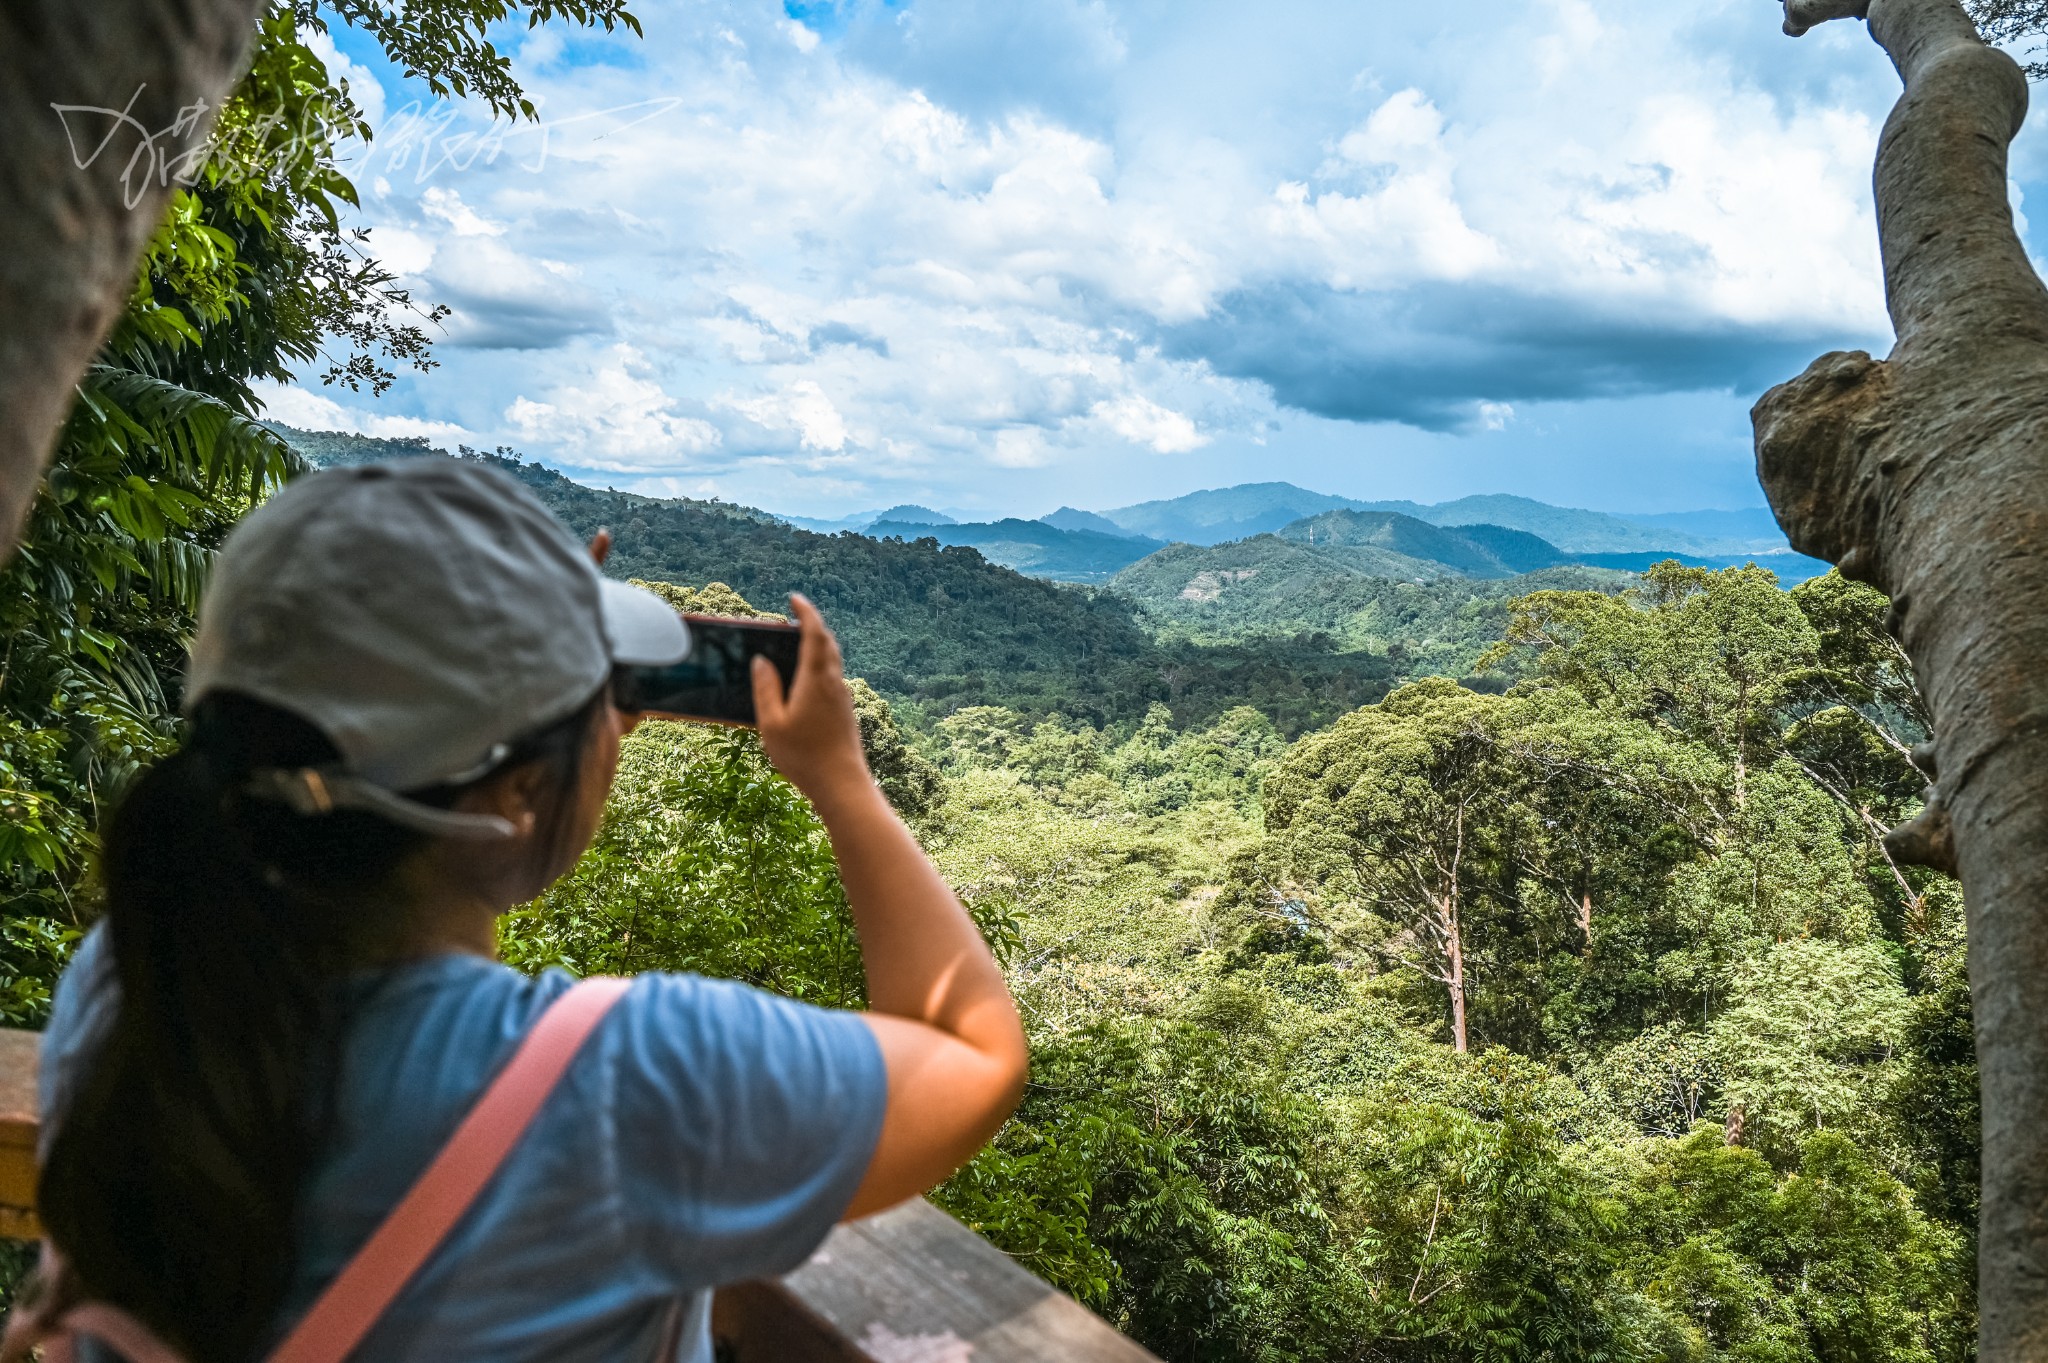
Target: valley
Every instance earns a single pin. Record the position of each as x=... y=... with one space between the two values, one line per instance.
x=1303 y=626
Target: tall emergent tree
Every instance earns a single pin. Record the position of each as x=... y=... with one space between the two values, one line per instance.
x=1925 y=474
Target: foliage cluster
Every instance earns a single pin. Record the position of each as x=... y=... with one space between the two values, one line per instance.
x=2015 y=22
x=1716 y=1098
x=1716 y=1101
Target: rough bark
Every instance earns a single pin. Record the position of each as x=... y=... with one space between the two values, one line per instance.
x=1454 y=980
x=1926 y=475
x=70 y=238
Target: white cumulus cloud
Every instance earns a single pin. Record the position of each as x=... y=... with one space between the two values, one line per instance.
x=1142 y=421
x=802 y=410
x=311 y=410
x=620 y=419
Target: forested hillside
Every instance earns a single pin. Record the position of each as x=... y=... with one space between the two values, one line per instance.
x=1366 y=540
x=940 y=628
x=1274 y=587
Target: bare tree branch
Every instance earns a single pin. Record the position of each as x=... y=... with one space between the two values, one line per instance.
x=2014 y=21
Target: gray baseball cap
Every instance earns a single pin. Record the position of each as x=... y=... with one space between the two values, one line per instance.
x=423 y=614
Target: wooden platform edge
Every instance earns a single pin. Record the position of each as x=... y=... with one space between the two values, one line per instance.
x=913 y=1285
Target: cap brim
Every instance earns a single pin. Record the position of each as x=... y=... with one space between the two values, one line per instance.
x=643 y=629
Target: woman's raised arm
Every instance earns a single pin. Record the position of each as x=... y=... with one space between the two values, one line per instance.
x=938 y=1004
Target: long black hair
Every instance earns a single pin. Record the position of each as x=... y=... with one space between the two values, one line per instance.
x=173 y=1182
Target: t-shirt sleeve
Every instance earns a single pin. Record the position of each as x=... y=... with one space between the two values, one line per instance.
x=86 y=999
x=745 y=1123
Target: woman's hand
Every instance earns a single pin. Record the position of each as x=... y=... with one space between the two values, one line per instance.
x=810 y=733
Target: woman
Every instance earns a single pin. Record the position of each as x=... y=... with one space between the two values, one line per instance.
x=402 y=726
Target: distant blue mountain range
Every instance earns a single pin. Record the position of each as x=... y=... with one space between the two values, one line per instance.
x=1233 y=513
x=1376 y=543
x=1067 y=518
x=1483 y=536
x=908 y=513
x=1034 y=547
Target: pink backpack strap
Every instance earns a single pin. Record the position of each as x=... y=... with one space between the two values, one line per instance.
x=360 y=1294
x=415 y=1228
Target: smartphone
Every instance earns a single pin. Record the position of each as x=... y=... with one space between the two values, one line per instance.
x=715 y=682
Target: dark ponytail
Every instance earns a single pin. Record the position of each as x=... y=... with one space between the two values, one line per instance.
x=173 y=1182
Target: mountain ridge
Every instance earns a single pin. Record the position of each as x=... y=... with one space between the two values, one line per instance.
x=1486 y=535
x=1036 y=548
x=1469 y=551
x=1219 y=515
x=1072 y=518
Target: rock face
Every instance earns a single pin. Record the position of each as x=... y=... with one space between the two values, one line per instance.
x=1926 y=475
x=1209 y=586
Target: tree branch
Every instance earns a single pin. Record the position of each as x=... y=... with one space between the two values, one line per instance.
x=1928 y=839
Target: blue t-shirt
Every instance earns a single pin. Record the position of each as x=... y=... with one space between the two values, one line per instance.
x=706 y=1133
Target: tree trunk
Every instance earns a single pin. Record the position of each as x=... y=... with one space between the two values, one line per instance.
x=1454 y=960
x=71 y=236
x=1926 y=475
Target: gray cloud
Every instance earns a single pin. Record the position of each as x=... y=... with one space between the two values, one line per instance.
x=1428 y=356
x=839 y=333
x=503 y=301
x=483 y=323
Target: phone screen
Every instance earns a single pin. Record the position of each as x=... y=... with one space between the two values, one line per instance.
x=715 y=682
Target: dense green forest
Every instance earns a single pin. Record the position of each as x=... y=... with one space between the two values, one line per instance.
x=1582 y=1021
x=1270 y=587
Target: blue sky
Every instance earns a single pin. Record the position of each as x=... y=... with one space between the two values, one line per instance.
x=996 y=257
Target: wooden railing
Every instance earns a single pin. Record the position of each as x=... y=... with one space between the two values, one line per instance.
x=18 y=1134
x=911 y=1285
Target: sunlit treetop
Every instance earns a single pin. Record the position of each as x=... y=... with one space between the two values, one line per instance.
x=447 y=43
